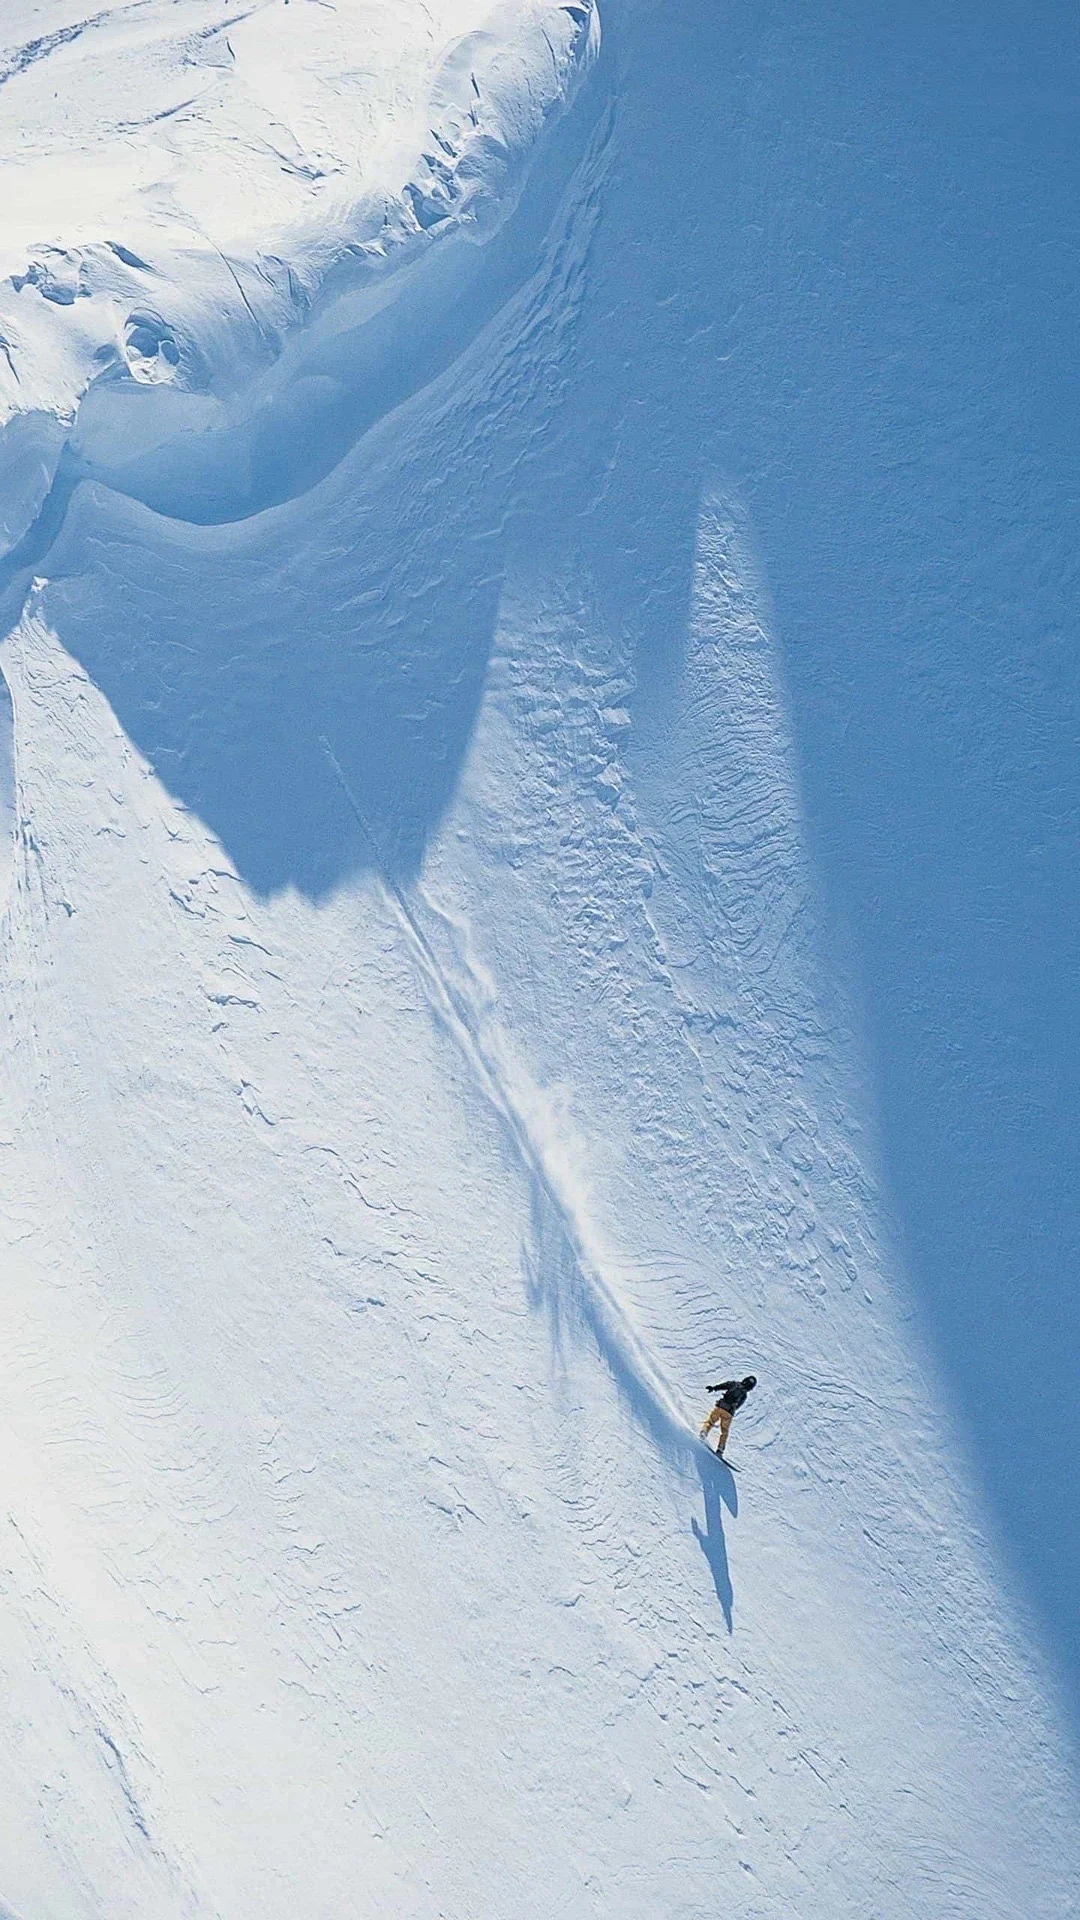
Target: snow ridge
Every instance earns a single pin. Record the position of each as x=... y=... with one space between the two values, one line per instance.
x=194 y=305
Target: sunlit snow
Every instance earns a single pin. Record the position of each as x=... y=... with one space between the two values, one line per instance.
x=435 y=1043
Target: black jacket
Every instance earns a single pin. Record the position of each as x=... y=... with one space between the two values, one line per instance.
x=732 y=1394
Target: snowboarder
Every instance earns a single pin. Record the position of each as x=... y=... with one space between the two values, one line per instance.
x=732 y=1394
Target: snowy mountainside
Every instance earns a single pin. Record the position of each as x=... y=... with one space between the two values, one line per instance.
x=239 y=166
x=424 y=1065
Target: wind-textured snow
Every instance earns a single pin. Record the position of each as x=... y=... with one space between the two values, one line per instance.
x=260 y=161
x=428 y=1053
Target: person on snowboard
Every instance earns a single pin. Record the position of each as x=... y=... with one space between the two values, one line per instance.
x=732 y=1394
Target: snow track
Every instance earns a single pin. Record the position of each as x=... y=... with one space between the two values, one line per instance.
x=545 y=1157
x=427 y=1058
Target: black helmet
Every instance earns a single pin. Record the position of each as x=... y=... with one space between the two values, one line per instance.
x=750 y=1381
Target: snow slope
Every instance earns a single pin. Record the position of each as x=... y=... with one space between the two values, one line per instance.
x=427 y=1060
x=260 y=162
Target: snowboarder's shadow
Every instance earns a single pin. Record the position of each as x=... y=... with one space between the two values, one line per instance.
x=717 y=1485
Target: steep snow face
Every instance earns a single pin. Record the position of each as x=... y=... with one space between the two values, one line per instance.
x=230 y=160
x=426 y=1063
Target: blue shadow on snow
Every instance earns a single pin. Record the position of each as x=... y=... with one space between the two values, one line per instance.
x=834 y=262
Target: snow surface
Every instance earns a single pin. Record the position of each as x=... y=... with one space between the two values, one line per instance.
x=259 y=162
x=430 y=1049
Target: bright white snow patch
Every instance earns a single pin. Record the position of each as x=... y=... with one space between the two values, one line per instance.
x=422 y=1066
x=7 y=788
x=180 y=181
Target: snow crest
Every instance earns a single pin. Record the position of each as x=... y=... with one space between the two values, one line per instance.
x=238 y=172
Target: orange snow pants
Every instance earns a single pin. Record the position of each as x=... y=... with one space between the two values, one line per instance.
x=722 y=1417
